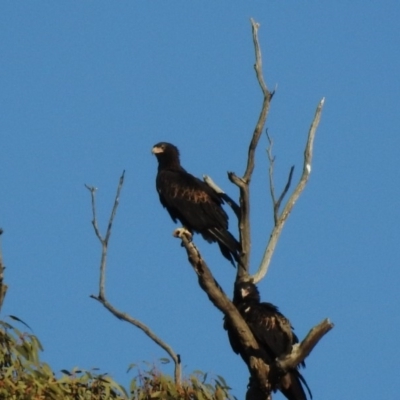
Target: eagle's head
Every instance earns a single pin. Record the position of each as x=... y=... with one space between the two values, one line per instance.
x=245 y=291
x=167 y=154
x=166 y=148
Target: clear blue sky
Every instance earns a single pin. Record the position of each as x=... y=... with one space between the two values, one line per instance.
x=87 y=88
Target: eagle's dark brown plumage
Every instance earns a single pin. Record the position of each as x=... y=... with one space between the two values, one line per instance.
x=191 y=201
x=273 y=333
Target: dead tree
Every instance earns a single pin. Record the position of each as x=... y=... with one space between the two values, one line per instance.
x=260 y=387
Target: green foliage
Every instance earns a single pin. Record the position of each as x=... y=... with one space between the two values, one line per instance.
x=24 y=377
x=152 y=384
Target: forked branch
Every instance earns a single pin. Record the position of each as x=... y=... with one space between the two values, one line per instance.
x=276 y=204
x=244 y=182
x=257 y=367
x=260 y=387
x=104 y=241
x=103 y=262
x=281 y=218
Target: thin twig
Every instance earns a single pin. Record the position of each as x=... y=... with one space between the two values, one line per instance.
x=116 y=203
x=92 y=191
x=271 y=160
x=276 y=231
x=277 y=205
x=102 y=297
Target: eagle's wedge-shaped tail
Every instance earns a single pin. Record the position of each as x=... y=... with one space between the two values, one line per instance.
x=291 y=387
x=229 y=246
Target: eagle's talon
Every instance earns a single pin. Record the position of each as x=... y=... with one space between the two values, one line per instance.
x=180 y=232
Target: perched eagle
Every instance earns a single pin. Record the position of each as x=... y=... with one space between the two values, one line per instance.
x=191 y=201
x=273 y=333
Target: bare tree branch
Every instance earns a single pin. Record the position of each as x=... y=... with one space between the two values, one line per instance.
x=93 y=190
x=271 y=160
x=104 y=242
x=244 y=182
x=258 y=64
x=102 y=297
x=276 y=231
x=277 y=205
x=303 y=349
x=126 y=317
x=265 y=107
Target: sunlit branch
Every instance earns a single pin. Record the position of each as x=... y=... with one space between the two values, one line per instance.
x=276 y=231
x=304 y=348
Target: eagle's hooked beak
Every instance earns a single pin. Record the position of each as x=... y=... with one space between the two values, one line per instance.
x=157 y=150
